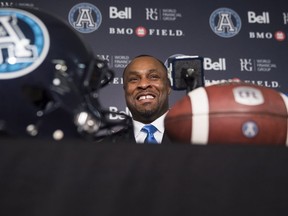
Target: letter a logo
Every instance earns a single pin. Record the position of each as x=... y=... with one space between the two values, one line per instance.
x=225 y=22
x=85 y=17
x=24 y=43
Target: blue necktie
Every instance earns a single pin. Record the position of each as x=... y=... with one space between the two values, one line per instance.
x=150 y=130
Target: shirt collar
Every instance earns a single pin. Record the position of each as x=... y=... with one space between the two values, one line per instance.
x=158 y=123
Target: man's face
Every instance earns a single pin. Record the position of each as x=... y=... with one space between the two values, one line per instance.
x=146 y=89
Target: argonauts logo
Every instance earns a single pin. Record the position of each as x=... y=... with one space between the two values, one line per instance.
x=225 y=22
x=85 y=17
x=250 y=129
x=24 y=43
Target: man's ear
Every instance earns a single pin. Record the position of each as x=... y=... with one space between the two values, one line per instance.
x=124 y=84
x=169 y=86
x=169 y=89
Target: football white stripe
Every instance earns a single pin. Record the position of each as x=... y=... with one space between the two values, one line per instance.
x=200 y=118
x=285 y=99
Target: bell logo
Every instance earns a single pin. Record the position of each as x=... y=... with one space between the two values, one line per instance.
x=114 y=13
x=261 y=19
x=218 y=65
x=114 y=113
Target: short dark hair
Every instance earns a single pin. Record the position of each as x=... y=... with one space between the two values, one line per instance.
x=145 y=55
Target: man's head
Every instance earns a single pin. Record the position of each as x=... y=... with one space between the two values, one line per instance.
x=147 y=88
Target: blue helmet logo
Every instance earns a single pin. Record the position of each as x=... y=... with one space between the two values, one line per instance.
x=250 y=129
x=24 y=43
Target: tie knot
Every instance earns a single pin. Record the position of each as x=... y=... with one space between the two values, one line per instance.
x=150 y=129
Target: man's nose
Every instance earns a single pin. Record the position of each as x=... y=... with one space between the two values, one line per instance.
x=144 y=83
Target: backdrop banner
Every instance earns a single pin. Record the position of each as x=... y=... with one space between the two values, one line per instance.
x=237 y=39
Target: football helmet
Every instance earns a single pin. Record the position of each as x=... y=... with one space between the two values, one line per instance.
x=49 y=79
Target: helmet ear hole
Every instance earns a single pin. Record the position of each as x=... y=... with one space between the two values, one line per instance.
x=38 y=96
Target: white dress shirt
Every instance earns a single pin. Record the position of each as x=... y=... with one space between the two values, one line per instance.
x=140 y=135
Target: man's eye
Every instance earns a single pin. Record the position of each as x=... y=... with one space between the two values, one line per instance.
x=132 y=79
x=154 y=76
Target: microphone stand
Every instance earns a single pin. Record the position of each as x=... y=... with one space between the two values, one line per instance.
x=189 y=76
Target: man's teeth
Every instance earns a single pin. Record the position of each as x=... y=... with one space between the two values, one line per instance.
x=146 y=97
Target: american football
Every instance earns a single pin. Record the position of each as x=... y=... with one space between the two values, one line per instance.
x=230 y=113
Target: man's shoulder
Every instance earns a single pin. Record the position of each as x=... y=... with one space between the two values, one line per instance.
x=123 y=136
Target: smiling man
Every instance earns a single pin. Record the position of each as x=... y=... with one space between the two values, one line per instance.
x=147 y=88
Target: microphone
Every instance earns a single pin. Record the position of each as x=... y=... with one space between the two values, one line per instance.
x=185 y=72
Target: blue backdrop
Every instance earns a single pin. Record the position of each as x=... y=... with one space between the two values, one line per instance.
x=244 y=39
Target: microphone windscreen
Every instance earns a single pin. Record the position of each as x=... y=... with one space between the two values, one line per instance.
x=182 y=68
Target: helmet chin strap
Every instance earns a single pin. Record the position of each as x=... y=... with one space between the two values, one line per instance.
x=94 y=122
x=90 y=119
